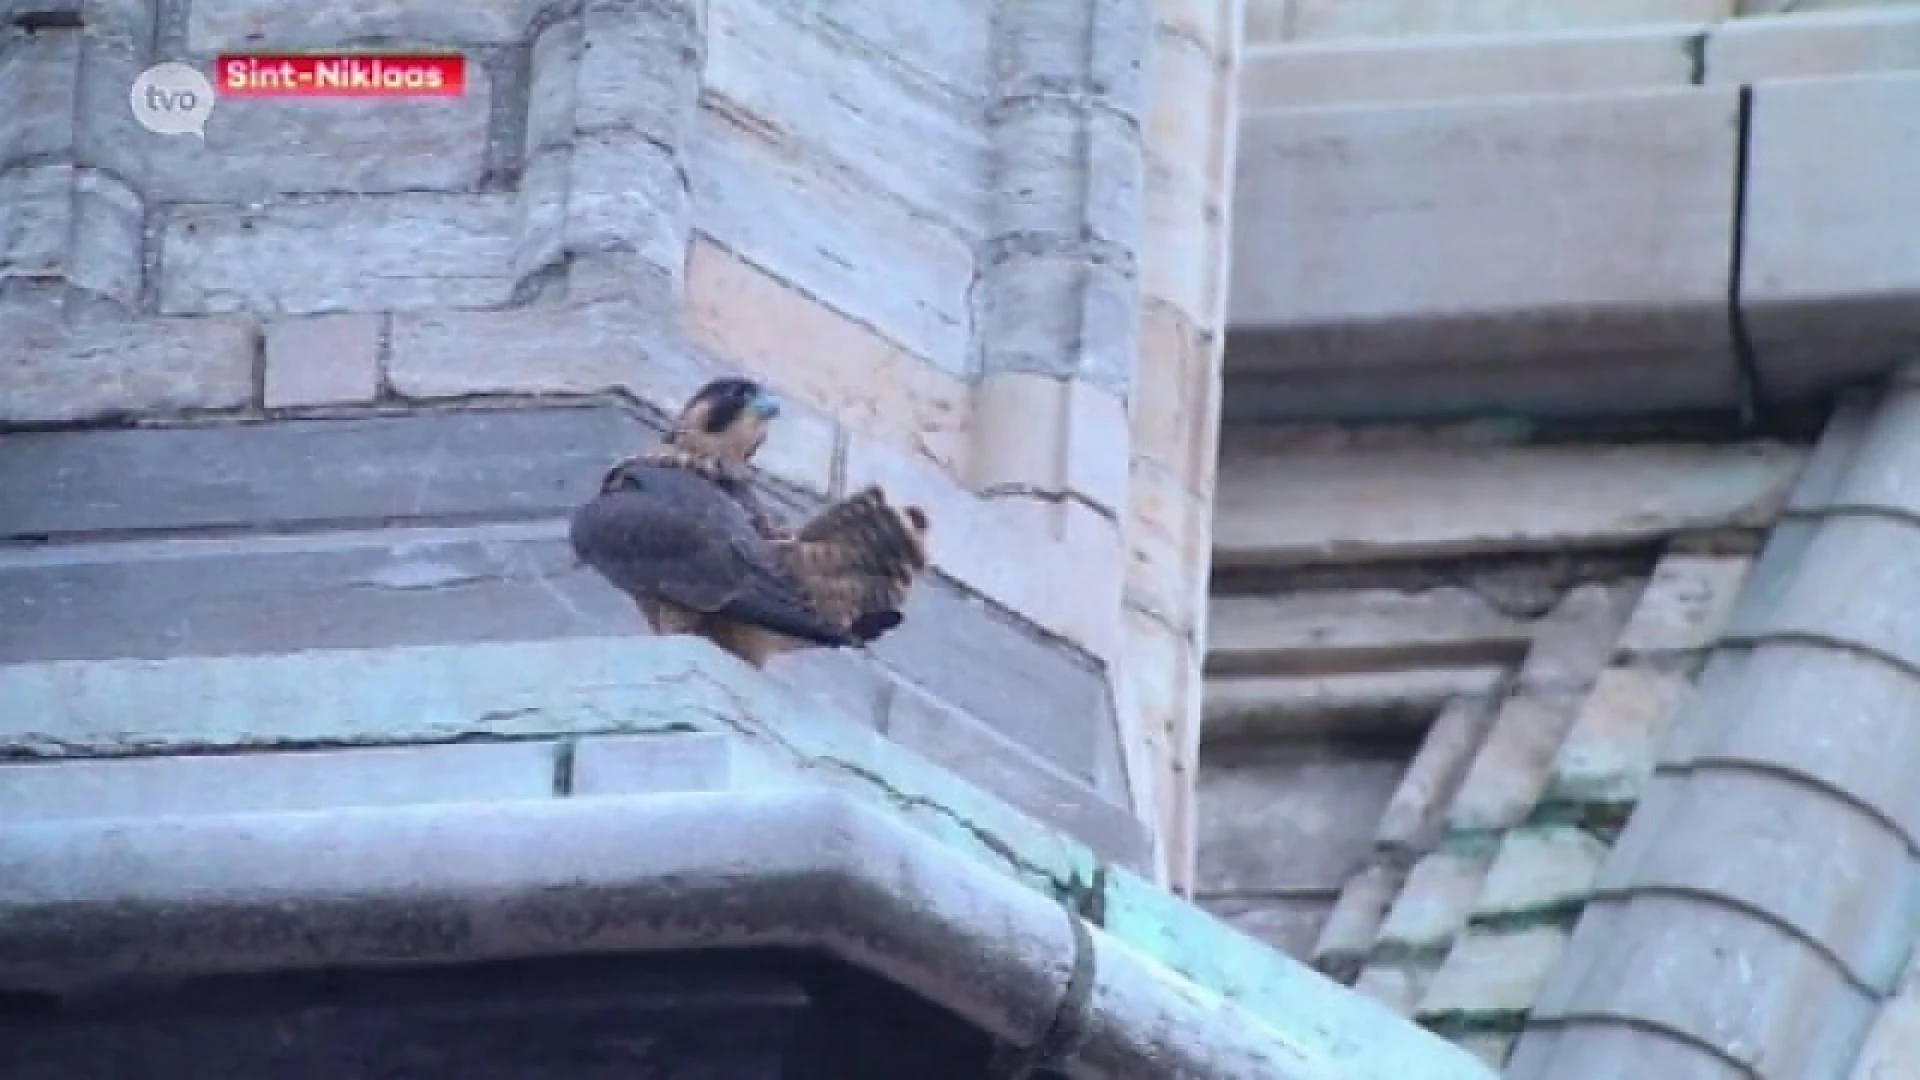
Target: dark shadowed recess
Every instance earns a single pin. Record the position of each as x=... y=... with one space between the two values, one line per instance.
x=742 y=1016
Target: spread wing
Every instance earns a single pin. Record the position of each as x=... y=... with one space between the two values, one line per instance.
x=857 y=561
x=671 y=535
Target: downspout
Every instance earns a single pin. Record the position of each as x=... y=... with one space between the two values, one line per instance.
x=89 y=901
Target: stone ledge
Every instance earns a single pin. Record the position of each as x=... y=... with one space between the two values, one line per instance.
x=1813 y=43
x=811 y=870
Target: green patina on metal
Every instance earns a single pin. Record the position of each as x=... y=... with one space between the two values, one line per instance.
x=597 y=686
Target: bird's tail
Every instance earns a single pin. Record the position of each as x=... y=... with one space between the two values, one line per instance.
x=859 y=559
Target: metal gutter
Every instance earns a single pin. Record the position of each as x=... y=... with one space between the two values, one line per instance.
x=90 y=901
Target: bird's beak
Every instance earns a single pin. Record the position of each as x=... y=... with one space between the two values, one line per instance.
x=765 y=405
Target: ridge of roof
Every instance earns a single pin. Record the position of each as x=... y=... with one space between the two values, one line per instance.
x=1773 y=858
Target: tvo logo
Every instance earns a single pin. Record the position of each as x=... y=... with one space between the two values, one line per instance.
x=172 y=99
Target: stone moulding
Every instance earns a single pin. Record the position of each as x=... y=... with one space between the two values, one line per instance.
x=95 y=899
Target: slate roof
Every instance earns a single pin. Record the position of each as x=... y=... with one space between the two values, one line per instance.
x=1680 y=842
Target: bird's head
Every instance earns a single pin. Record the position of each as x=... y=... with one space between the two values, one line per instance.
x=728 y=419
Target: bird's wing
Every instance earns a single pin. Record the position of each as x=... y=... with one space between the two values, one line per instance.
x=677 y=538
x=858 y=560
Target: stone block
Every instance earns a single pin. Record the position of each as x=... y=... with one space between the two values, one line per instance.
x=1158 y=686
x=806 y=349
x=1322 y=19
x=1492 y=975
x=1378 y=71
x=948 y=48
x=1612 y=747
x=1836 y=876
x=970 y=747
x=1812 y=44
x=501 y=464
x=1493 y=232
x=106 y=250
x=848 y=111
x=1035 y=434
x=217 y=25
x=1183 y=241
x=275 y=780
x=1685 y=605
x=1277 y=508
x=1348 y=935
x=1540 y=871
x=573 y=349
x=59 y=370
x=1044 y=697
x=638 y=71
x=1411 y=823
x=269 y=148
x=1433 y=906
x=1644 y=963
x=1330 y=631
x=625 y=195
x=1186 y=127
x=1866 y=739
x=1828 y=285
x=1067 y=178
x=37 y=77
x=1508 y=776
x=654 y=764
x=395 y=253
x=323 y=360
x=1368 y=704
x=1174 y=384
x=771 y=204
x=352 y=590
x=1061 y=315
x=33 y=235
x=1276 y=819
x=1167 y=535
x=1573 y=642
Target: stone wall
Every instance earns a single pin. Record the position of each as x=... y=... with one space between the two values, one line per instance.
x=975 y=250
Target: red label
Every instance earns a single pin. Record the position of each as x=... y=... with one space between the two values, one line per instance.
x=380 y=75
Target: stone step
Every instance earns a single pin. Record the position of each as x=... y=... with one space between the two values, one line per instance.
x=1395 y=705
x=1358 y=630
x=1280 y=508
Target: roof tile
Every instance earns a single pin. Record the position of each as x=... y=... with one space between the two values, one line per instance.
x=1351 y=928
x=1893 y=1046
x=1509 y=774
x=1701 y=716
x=1411 y=823
x=1776 y=1006
x=1827 y=464
x=1611 y=750
x=1881 y=472
x=1397 y=986
x=1864 y=745
x=1574 y=641
x=1685 y=605
x=1492 y=975
x=1433 y=906
x=1621 y=1052
x=1540 y=871
x=1857 y=585
x=1841 y=878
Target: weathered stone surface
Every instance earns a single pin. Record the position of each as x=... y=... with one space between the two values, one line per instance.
x=1367 y=703
x=1035 y=434
x=1545 y=1052
x=1836 y=877
x=1480 y=232
x=909 y=279
x=59 y=369
x=949 y=47
x=1544 y=870
x=1175 y=380
x=648 y=764
x=1055 y=315
x=323 y=359
x=1893 y=1045
x=107 y=248
x=1812 y=242
x=1412 y=821
x=807 y=349
x=235 y=597
x=395 y=253
x=1318 y=19
x=575 y=349
x=1275 y=820
x=1300 y=632
x=267 y=147
x=1786 y=1006
x=284 y=780
x=33 y=235
x=1397 y=987
x=518 y=463
x=1510 y=773
x=1046 y=699
x=996 y=763
x=1882 y=37
x=1492 y=973
x=215 y=25
x=1573 y=642
x=898 y=140
x=37 y=73
x=1167 y=532
x=1409 y=70
x=1611 y=749
x=1356 y=506
x=1434 y=904
x=1685 y=605
x=1354 y=923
